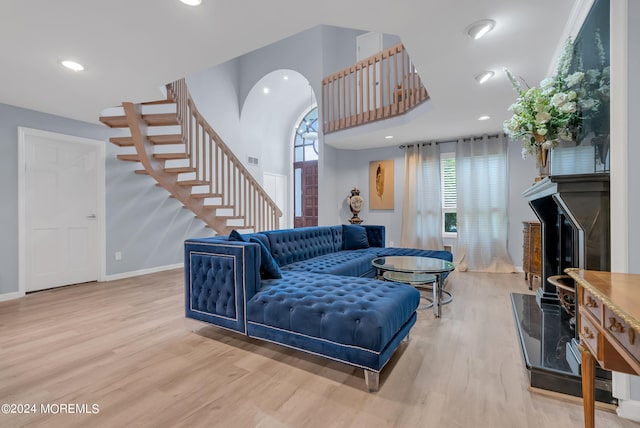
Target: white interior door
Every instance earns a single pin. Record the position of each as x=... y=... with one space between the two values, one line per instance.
x=276 y=187
x=61 y=187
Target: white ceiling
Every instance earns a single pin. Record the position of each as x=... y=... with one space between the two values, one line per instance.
x=130 y=48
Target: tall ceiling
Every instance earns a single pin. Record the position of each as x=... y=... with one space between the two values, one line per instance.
x=130 y=48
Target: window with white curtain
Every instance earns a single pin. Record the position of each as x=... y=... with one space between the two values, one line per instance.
x=482 y=196
x=449 y=194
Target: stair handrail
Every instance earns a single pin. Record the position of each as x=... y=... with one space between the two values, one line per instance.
x=379 y=87
x=207 y=151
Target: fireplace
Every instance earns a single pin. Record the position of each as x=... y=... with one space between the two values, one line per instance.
x=574 y=214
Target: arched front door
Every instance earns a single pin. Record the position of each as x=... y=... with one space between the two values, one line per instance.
x=305 y=171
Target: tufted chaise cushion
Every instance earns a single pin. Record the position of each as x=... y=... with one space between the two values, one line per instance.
x=359 y=312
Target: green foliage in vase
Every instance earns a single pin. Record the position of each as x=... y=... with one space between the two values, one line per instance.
x=542 y=116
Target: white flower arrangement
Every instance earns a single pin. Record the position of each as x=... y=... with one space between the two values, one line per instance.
x=543 y=116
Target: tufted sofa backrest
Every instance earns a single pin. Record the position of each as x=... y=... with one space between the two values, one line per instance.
x=294 y=245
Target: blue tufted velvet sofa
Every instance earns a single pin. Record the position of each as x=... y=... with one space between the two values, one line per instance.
x=327 y=301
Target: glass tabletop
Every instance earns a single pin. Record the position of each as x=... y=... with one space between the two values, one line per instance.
x=413 y=264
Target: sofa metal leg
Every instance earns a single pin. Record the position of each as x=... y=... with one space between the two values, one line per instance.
x=372 y=380
x=407 y=338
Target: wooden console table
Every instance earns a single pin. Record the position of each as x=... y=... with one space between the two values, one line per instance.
x=531 y=249
x=608 y=325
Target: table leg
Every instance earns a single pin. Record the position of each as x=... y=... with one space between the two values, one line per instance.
x=588 y=385
x=437 y=296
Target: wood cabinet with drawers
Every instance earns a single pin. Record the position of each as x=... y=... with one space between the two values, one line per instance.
x=531 y=248
x=608 y=326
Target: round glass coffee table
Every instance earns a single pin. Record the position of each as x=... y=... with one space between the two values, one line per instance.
x=414 y=269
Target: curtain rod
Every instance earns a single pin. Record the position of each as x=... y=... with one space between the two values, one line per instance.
x=464 y=139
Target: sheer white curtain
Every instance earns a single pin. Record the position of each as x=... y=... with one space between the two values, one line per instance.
x=421 y=206
x=482 y=189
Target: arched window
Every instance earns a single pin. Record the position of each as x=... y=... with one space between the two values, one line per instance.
x=306 y=143
x=305 y=171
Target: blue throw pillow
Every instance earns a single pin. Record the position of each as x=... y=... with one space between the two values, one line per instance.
x=354 y=237
x=268 y=266
x=235 y=236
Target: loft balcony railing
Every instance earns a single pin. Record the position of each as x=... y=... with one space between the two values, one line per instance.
x=379 y=87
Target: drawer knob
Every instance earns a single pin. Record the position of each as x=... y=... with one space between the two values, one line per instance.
x=587 y=333
x=591 y=302
x=615 y=326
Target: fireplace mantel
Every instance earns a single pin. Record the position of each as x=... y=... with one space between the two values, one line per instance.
x=574 y=213
x=567 y=183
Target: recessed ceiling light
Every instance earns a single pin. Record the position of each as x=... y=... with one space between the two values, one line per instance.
x=484 y=118
x=192 y=2
x=480 y=28
x=388 y=137
x=265 y=90
x=285 y=78
x=72 y=65
x=484 y=76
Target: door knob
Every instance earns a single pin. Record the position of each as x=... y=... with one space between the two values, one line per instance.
x=91 y=216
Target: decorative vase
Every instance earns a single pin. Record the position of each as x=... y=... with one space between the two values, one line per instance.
x=355 y=205
x=542 y=158
x=601 y=144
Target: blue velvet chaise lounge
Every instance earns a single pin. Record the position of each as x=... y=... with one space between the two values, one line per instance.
x=312 y=289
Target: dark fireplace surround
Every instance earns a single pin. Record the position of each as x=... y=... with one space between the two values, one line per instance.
x=575 y=224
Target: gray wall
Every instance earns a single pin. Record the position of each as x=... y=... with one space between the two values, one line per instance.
x=142 y=222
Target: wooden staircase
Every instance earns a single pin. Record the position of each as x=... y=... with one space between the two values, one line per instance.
x=177 y=147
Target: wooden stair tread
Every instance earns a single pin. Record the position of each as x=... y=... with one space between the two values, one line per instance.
x=165 y=139
x=153 y=139
x=160 y=119
x=169 y=156
x=122 y=141
x=227 y=217
x=115 y=121
x=129 y=158
x=150 y=103
x=217 y=207
x=157 y=119
x=192 y=183
x=180 y=170
x=206 y=195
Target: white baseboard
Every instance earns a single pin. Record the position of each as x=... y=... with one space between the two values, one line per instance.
x=629 y=409
x=18 y=294
x=141 y=272
x=625 y=389
x=11 y=296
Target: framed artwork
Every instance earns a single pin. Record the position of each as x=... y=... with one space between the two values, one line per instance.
x=381 y=194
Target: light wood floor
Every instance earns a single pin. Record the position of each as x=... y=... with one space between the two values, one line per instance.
x=127 y=347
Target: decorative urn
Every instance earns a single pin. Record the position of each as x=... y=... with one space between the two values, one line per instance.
x=355 y=205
